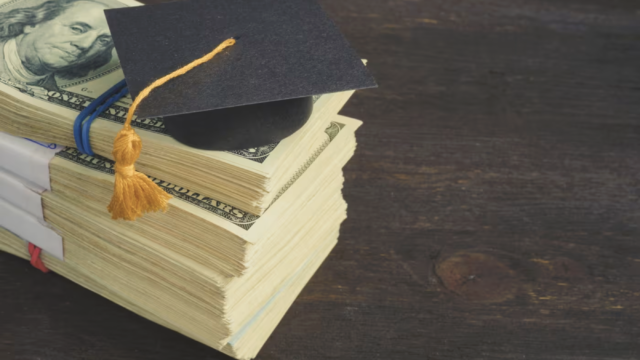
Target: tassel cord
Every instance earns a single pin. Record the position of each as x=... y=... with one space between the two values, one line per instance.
x=144 y=93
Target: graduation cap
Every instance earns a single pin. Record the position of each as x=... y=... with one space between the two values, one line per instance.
x=256 y=92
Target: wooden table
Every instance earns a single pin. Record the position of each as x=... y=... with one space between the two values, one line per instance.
x=494 y=201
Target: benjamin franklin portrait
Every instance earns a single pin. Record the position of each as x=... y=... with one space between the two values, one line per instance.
x=64 y=39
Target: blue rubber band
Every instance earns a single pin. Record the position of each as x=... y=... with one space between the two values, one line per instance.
x=78 y=124
x=87 y=124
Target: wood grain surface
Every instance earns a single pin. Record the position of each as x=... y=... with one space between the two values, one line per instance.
x=494 y=201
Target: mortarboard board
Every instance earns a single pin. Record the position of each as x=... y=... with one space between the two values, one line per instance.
x=256 y=92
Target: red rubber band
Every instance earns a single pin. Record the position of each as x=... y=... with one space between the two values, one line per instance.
x=37 y=263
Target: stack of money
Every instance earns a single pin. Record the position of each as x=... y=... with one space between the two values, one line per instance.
x=245 y=229
x=213 y=272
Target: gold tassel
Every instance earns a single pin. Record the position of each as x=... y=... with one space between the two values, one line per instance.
x=134 y=193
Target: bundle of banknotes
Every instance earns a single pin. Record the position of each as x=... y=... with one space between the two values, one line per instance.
x=245 y=230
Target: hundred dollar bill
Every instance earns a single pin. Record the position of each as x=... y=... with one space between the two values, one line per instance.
x=59 y=52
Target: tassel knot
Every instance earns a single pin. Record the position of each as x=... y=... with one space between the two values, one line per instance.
x=127 y=146
x=126 y=171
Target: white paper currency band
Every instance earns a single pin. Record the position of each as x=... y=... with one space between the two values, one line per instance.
x=26 y=159
x=30 y=230
x=25 y=197
x=24 y=176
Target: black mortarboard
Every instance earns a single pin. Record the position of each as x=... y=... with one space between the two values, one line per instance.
x=254 y=93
